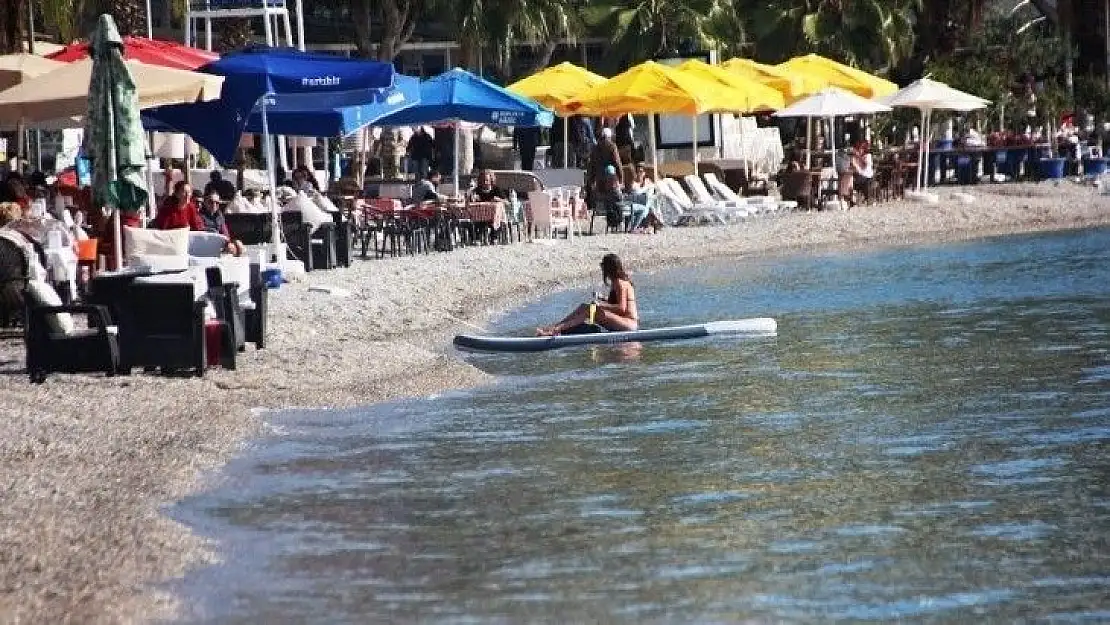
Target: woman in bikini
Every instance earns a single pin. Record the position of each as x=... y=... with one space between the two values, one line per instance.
x=617 y=313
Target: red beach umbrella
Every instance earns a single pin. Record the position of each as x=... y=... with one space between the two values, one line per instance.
x=149 y=51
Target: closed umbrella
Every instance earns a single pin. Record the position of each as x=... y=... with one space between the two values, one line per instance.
x=114 y=137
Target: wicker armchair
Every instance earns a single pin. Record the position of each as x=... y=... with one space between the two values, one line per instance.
x=14 y=270
x=54 y=344
x=165 y=329
x=797 y=186
x=250 y=228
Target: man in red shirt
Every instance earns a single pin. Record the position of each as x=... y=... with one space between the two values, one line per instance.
x=179 y=210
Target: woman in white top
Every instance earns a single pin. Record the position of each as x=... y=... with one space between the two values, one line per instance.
x=863 y=167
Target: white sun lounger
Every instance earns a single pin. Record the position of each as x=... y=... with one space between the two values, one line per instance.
x=687 y=208
x=702 y=195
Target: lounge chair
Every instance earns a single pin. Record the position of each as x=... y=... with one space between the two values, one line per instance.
x=687 y=211
x=733 y=209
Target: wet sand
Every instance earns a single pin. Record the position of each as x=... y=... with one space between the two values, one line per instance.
x=88 y=462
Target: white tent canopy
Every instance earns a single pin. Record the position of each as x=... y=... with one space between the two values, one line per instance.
x=928 y=95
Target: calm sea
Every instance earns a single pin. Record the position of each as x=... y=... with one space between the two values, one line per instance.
x=927 y=439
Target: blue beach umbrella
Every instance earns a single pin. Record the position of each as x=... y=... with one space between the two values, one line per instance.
x=297 y=81
x=215 y=126
x=459 y=96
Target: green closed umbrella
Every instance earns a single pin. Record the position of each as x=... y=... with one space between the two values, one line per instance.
x=114 y=140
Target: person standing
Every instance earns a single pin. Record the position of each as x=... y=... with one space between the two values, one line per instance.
x=217 y=184
x=603 y=155
x=391 y=155
x=525 y=139
x=421 y=151
x=623 y=137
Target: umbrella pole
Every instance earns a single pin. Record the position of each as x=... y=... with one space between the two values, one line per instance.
x=921 y=152
x=566 y=143
x=117 y=239
x=455 y=156
x=926 y=139
x=809 y=142
x=275 y=240
x=695 y=145
x=651 y=145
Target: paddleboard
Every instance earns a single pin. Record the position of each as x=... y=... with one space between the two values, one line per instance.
x=756 y=326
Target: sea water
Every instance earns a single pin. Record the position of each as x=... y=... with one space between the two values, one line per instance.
x=926 y=439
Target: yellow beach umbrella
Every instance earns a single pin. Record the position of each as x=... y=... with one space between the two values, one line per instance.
x=840 y=75
x=553 y=87
x=757 y=96
x=652 y=88
x=792 y=85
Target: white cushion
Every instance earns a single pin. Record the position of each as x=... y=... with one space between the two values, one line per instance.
x=324 y=203
x=44 y=295
x=158 y=262
x=210 y=244
x=143 y=241
x=232 y=268
x=310 y=213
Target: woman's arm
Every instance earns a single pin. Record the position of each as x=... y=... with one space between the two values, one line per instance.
x=621 y=307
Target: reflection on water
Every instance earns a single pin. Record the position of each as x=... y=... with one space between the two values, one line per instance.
x=926 y=439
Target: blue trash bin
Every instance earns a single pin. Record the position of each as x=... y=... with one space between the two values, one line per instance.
x=1094 y=166
x=1052 y=168
x=966 y=169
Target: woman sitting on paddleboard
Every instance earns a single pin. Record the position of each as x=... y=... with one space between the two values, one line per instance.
x=617 y=313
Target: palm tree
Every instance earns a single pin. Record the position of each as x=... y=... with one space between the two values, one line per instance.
x=876 y=34
x=13 y=25
x=504 y=24
x=642 y=29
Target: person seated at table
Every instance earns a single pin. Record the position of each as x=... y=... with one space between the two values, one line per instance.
x=641 y=182
x=17 y=191
x=863 y=168
x=614 y=200
x=487 y=189
x=303 y=180
x=427 y=190
x=617 y=313
x=212 y=216
x=178 y=210
x=9 y=212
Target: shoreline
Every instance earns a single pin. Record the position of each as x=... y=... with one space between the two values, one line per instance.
x=89 y=463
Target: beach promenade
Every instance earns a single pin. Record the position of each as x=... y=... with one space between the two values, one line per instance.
x=88 y=464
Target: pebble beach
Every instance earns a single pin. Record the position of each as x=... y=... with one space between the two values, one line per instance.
x=88 y=464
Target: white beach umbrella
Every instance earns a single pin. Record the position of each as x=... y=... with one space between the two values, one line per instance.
x=928 y=95
x=830 y=103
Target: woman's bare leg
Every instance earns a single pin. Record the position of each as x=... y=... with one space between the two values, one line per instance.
x=615 y=322
x=573 y=319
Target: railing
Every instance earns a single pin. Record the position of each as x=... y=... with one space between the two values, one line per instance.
x=229 y=5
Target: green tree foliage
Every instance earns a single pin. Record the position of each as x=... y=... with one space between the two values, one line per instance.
x=872 y=34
